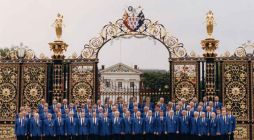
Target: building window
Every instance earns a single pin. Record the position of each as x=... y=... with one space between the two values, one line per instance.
x=120 y=84
x=107 y=83
x=132 y=85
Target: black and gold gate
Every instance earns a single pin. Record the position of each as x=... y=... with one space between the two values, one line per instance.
x=185 y=79
x=26 y=79
x=237 y=92
x=22 y=83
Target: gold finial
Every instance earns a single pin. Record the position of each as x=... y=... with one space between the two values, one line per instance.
x=58 y=26
x=209 y=23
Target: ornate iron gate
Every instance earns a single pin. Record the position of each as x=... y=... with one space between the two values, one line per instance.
x=82 y=81
x=33 y=84
x=9 y=93
x=22 y=83
x=184 y=79
x=28 y=79
x=237 y=89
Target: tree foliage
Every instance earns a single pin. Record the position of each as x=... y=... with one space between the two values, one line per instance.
x=156 y=80
x=4 y=51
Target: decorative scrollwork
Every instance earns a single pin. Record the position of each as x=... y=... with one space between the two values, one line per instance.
x=7 y=132
x=245 y=49
x=15 y=52
x=82 y=81
x=185 y=90
x=8 y=91
x=179 y=51
x=87 y=52
x=82 y=73
x=33 y=92
x=240 y=52
x=29 y=54
x=8 y=74
x=82 y=91
x=241 y=132
x=139 y=27
x=236 y=91
x=185 y=81
x=170 y=41
x=185 y=72
x=8 y=111
x=34 y=84
x=96 y=42
x=236 y=95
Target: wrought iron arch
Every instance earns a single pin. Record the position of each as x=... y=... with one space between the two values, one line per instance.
x=133 y=25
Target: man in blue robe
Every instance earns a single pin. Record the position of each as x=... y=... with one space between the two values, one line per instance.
x=49 y=131
x=172 y=126
x=127 y=126
x=149 y=126
x=21 y=127
x=83 y=127
x=117 y=126
x=105 y=127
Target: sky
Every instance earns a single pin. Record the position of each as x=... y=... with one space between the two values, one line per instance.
x=30 y=22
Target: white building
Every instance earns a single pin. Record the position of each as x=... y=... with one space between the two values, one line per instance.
x=119 y=78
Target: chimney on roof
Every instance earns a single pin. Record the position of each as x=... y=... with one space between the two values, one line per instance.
x=135 y=67
x=102 y=67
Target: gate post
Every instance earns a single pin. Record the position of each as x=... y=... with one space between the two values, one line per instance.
x=58 y=69
x=209 y=45
x=96 y=82
x=170 y=89
x=58 y=47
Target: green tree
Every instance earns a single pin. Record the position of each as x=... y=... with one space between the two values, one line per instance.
x=156 y=80
x=4 y=51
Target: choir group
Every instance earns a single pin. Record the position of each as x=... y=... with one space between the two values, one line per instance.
x=122 y=120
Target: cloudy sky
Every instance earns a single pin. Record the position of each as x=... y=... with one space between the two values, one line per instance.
x=29 y=21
